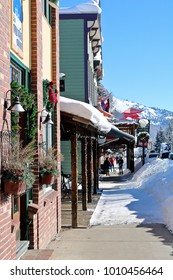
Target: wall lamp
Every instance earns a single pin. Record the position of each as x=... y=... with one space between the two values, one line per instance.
x=45 y=118
x=15 y=106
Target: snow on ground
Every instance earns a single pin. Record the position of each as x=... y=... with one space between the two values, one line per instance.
x=146 y=198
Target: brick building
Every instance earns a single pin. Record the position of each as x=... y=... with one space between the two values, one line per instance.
x=29 y=55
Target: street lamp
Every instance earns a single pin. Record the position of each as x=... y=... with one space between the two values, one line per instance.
x=143 y=135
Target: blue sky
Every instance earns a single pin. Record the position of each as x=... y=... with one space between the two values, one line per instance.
x=137 y=50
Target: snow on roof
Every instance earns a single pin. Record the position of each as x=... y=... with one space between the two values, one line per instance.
x=91 y=7
x=86 y=111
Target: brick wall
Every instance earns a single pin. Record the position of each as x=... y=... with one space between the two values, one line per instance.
x=55 y=77
x=7 y=232
x=44 y=219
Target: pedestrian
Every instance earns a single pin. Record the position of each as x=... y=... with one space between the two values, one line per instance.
x=106 y=166
x=120 y=163
x=112 y=164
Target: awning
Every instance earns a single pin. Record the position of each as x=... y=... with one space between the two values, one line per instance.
x=85 y=113
x=116 y=133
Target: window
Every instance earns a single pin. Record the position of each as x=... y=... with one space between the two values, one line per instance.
x=15 y=74
x=47 y=10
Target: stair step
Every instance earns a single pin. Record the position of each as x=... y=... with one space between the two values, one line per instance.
x=21 y=248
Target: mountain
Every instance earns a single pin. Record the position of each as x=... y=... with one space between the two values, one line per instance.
x=158 y=117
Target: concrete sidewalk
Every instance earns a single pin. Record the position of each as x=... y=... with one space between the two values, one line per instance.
x=121 y=242
x=118 y=242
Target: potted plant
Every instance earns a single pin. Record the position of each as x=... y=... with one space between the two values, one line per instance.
x=17 y=172
x=48 y=167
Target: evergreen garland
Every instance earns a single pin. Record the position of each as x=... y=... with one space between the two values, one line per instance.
x=27 y=101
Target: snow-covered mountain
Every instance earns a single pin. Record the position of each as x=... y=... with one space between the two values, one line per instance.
x=158 y=117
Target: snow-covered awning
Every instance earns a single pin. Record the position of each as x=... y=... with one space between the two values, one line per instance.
x=85 y=111
x=91 y=7
x=115 y=132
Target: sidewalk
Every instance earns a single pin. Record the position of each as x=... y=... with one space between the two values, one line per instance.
x=118 y=242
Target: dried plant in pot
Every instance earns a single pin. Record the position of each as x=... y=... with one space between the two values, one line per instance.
x=48 y=167
x=17 y=173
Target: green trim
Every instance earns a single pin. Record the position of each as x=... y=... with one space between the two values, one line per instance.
x=25 y=70
x=19 y=62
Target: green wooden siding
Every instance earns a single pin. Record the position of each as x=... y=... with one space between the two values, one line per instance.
x=72 y=58
x=66 y=152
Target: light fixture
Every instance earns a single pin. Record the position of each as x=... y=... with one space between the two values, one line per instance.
x=14 y=107
x=143 y=122
x=45 y=117
x=61 y=75
x=48 y=119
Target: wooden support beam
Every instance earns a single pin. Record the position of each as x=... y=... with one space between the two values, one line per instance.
x=89 y=168
x=84 y=173
x=95 y=165
x=131 y=155
x=128 y=157
x=74 y=174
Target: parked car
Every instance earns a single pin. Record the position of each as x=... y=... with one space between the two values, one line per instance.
x=171 y=155
x=153 y=155
x=164 y=155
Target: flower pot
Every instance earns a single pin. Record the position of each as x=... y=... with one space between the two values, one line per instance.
x=15 y=188
x=47 y=179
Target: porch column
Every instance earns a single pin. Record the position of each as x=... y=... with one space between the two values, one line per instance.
x=95 y=165
x=89 y=168
x=74 y=174
x=131 y=157
x=84 y=173
x=128 y=157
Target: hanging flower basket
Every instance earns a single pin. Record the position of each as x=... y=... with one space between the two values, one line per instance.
x=47 y=179
x=143 y=136
x=14 y=187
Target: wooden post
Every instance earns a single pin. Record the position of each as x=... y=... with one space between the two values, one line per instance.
x=132 y=166
x=89 y=169
x=84 y=173
x=74 y=173
x=128 y=156
x=95 y=166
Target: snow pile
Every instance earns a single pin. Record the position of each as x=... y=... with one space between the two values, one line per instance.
x=146 y=198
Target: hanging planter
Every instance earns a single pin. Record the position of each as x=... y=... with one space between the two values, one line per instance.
x=47 y=179
x=48 y=167
x=15 y=188
x=16 y=171
x=143 y=136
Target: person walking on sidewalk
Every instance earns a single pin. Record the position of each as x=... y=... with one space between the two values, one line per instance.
x=120 y=163
x=112 y=164
x=106 y=166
